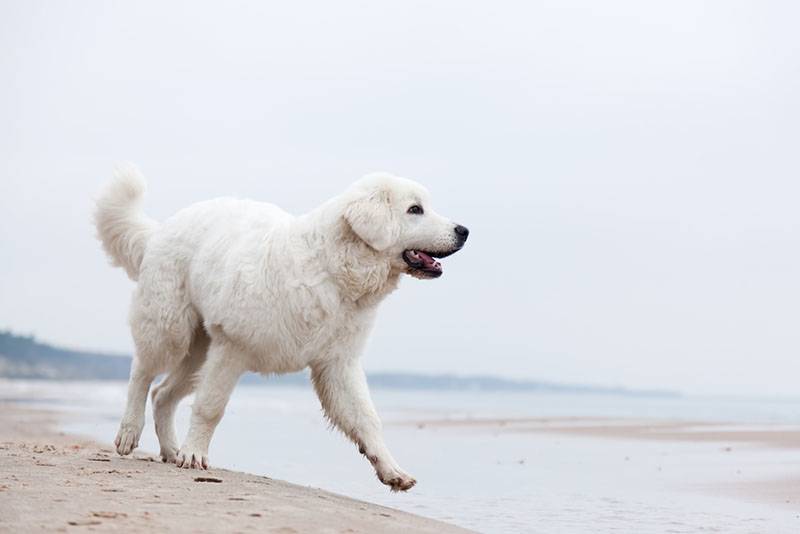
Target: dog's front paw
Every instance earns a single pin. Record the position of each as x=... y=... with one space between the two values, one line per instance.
x=190 y=458
x=396 y=479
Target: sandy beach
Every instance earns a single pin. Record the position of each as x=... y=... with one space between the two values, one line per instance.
x=55 y=482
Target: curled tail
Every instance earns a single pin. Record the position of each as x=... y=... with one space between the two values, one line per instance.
x=122 y=227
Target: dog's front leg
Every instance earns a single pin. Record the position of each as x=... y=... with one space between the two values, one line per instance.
x=342 y=389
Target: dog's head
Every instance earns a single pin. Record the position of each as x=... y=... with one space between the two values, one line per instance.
x=394 y=216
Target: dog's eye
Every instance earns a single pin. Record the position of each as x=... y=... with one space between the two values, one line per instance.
x=415 y=210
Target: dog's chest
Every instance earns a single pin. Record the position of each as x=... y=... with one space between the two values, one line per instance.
x=310 y=323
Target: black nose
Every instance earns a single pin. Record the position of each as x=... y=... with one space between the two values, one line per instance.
x=462 y=232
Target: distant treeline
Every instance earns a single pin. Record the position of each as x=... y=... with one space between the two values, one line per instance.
x=25 y=357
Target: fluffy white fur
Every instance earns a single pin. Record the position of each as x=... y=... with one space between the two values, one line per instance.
x=228 y=286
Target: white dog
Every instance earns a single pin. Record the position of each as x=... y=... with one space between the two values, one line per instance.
x=228 y=286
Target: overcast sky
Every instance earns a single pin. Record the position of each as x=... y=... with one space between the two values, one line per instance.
x=629 y=171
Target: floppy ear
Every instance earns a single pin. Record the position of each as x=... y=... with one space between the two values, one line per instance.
x=370 y=217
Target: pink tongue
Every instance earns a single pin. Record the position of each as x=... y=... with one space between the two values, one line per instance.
x=428 y=262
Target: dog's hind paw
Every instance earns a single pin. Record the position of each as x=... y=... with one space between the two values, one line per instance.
x=189 y=459
x=127 y=439
x=169 y=454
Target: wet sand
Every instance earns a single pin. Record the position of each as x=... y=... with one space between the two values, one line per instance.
x=53 y=482
x=780 y=436
x=774 y=490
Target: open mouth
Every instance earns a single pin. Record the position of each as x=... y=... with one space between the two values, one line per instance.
x=423 y=264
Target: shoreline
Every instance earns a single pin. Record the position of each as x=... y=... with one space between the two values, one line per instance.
x=53 y=481
x=574 y=470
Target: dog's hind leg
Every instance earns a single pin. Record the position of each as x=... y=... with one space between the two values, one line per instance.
x=162 y=324
x=177 y=385
x=218 y=376
x=130 y=429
